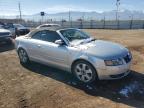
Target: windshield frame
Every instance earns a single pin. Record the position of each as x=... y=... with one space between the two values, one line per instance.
x=70 y=42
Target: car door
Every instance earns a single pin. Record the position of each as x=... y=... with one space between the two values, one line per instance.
x=42 y=48
x=54 y=54
x=34 y=47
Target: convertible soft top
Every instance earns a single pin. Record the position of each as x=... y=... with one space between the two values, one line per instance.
x=50 y=29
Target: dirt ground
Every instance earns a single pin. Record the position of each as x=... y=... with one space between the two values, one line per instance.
x=39 y=86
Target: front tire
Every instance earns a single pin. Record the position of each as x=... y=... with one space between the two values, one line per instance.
x=24 y=59
x=84 y=71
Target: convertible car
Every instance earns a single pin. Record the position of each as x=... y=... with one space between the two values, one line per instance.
x=75 y=51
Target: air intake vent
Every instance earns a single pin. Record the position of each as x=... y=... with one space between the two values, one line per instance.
x=127 y=58
x=3 y=34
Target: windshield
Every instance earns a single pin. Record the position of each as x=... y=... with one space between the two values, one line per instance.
x=49 y=26
x=74 y=35
x=18 y=25
x=1 y=27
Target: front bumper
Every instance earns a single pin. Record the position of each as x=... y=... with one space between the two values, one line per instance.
x=6 y=38
x=114 y=72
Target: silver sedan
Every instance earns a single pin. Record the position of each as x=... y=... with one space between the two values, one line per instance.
x=75 y=51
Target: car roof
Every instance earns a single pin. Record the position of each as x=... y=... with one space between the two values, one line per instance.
x=53 y=28
x=49 y=29
x=46 y=25
x=49 y=24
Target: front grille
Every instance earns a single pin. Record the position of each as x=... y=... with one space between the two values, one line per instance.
x=127 y=58
x=3 y=34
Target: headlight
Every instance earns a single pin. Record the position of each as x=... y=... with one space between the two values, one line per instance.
x=115 y=62
x=130 y=55
x=9 y=34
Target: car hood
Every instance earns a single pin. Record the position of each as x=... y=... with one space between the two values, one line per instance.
x=104 y=49
x=21 y=28
x=4 y=31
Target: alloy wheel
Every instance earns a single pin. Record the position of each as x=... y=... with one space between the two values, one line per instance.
x=84 y=72
x=23 y=56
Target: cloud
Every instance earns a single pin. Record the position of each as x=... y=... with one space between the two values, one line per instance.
x=131 y=7
x=127 y=6
x=50 y=10
x=8 y=12
x=66 y=8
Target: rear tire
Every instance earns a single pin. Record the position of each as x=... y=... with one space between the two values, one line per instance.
x=84 y=71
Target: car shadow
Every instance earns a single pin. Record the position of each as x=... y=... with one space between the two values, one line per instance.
x=126 y=90
x=6 y=47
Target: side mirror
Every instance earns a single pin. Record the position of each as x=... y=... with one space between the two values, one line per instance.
x=59 y=42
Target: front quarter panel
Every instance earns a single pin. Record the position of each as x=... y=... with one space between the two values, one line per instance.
x=81 y=55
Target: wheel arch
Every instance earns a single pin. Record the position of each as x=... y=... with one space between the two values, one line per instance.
x=89 y=62
x=23 y=49
x=82 y=59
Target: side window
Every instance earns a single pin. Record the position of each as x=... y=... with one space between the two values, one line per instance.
x=50 y=36
x=37 y=36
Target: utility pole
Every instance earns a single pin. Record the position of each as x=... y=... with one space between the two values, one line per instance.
x=143 y=24
x=20 y=13
x=131 y=22
x=83 y=16
x=91 y=22
x=71 y=22
x=104 y=22
x=117 y=10
x=69 y=16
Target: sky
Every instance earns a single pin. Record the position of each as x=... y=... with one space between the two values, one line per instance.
x=29 y=7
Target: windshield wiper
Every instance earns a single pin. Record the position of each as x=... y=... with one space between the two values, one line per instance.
x=88 y=40
x=93 y=39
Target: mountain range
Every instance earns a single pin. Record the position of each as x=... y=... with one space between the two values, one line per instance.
x=75 y=15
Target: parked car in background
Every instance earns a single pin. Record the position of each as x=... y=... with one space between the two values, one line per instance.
x=5 y=35
x=21 y=30
x=11 y=27
x=49 y=26
x=74 y=51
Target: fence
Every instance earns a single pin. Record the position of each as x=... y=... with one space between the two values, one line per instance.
x=135 y=24
x=121 y=24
